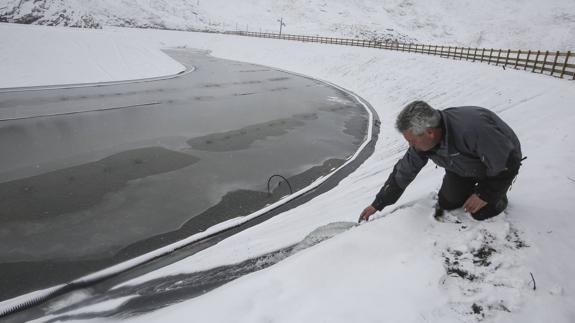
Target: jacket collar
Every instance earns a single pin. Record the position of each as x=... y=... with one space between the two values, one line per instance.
x=443 y=147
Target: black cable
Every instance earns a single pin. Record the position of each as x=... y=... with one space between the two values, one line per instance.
x=285 y=179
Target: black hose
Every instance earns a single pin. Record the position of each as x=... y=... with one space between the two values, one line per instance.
x=285 y=179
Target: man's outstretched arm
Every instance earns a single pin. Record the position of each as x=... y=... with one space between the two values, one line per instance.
x=404 y=172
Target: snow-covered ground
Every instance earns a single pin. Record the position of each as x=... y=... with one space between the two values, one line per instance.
x=402 y=266
x=36 y=55
x=516 y=24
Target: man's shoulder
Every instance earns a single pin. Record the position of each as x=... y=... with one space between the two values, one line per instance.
x=467 y=110
x=467 y=116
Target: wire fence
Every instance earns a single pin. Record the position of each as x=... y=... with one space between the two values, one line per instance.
x=553 y=63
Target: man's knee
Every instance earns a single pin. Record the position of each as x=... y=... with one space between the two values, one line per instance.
x=446 y=204
x=490 y=211
x=480 y=216
x=454 y=191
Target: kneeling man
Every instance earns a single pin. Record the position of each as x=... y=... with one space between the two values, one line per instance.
x=480 y=153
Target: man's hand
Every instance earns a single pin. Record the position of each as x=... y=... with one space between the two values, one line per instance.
x=473 y=204
x=366 y=213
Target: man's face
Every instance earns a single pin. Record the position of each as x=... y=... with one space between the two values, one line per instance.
x=423 y=142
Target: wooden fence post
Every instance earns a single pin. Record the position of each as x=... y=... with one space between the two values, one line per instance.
x=507 y=57
x=544 y=61
x=536 y=61
x=565 y=63
x=490 y=56
x=554 y=63
x=482 y=54
x=409 y=48
x=517 y=60
x=468 y=52
x=498 y=57
x=527 y=60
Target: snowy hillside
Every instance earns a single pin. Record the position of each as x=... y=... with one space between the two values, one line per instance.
x=517 y=24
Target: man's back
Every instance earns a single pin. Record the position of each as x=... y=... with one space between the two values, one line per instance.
x=476 y=143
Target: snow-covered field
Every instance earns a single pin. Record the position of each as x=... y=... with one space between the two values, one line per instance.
x=36 y=55
x=516 y=24
x=402 y=266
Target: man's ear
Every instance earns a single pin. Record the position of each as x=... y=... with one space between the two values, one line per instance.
x=433 y=133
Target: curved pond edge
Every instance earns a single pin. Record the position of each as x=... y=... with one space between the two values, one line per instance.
x=219 y=231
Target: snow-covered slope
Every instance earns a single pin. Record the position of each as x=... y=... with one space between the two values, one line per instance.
x=39 y=55
x=517 y=24
x=402 y=266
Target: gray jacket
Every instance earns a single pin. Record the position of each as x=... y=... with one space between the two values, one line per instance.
x=476 y=143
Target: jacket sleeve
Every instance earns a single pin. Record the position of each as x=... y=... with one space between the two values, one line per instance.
x=498 y=153
x=404 y=171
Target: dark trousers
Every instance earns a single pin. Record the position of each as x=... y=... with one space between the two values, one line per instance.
x=455 y=190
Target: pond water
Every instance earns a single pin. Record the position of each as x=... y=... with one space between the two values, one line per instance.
x=92 y=176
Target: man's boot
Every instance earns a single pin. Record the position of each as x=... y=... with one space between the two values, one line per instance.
x=501 y=205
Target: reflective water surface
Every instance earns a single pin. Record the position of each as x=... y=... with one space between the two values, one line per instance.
x=92 y=176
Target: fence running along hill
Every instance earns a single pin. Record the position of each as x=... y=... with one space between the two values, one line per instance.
x=553 y=63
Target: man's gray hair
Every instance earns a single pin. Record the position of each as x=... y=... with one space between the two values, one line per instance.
x=417 y=117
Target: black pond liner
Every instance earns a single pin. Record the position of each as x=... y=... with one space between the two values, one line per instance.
x=155 y=294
